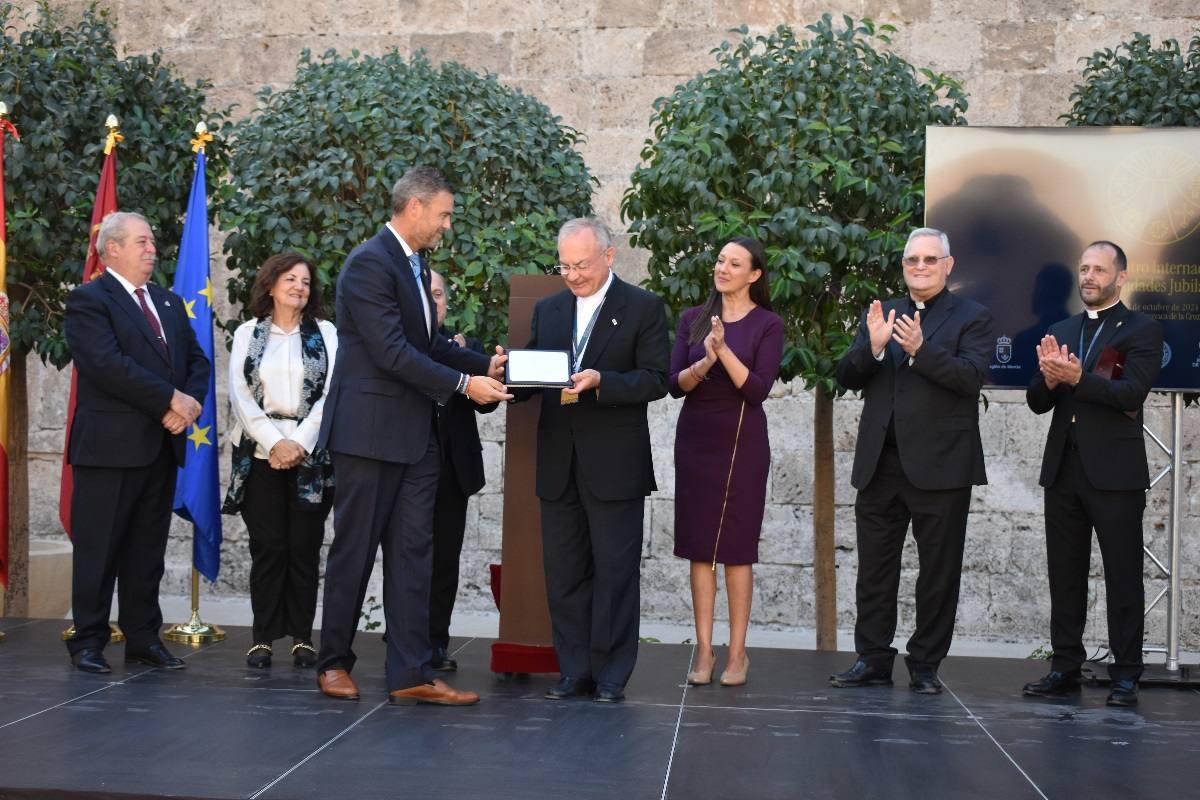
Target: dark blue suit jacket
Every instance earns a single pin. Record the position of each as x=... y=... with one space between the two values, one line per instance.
x=390 y=370
x=935 y=399
x=125 y=380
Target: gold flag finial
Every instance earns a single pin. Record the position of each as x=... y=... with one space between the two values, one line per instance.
x=114 y=136
x=203 y=137
x=3 y=109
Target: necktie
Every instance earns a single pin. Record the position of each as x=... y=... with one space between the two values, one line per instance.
x=151 y=319
x=418 y=268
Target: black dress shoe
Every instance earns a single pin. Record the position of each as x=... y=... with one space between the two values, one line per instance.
x=862 y=674
x=1053 y=685
x=925 y=682
x=568 y=687
x=609 y=693
x=441 y=661
x=1123 y=693
x=91 y=660
x=155 y=656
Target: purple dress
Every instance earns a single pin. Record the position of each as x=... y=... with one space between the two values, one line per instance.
x=705 y=436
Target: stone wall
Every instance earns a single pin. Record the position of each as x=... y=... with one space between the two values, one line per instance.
x=600 y=65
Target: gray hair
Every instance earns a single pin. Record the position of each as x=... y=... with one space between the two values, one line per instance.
x=422 y=183
x=920 y=232
x=594 y=224
x=113 y=228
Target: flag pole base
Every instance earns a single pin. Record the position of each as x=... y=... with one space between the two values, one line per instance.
x=194 y=631
x=2 y=637
x=115 y=633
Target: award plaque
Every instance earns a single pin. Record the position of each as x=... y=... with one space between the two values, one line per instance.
x=538 y=368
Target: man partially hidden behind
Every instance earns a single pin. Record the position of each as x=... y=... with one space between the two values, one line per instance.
x=461 y=477
x=920 y=362
x=380 y=424
x=142 y=377
x=594 y=468
x=1094 y=371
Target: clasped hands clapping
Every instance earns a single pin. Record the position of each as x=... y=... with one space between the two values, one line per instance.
x=905 y=330
x=1057 y=364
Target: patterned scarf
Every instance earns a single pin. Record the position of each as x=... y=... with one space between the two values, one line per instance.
x=314 y=475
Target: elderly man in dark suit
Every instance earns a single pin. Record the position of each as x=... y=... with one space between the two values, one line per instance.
x=142 y=377
x=920 y=362
x=1095 y=370
x=461 y=476
x=594 y=467
x=380 y=424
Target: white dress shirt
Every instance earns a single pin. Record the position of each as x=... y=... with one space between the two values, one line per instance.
x=585 y=307
x=408 y=251
x=281 y=372
x=129 y=287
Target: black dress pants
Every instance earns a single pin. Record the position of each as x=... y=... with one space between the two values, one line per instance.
x=882 y=513
x=120 y=518
x=449 y=524
x=591 y=550
x=285 y=553
x=1073 y=509
x=382 y=503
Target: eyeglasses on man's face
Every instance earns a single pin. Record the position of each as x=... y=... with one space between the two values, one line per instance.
x=578 y=267
x=929 y=261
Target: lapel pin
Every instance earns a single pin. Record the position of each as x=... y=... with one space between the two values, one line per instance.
x=1119 y=324
x=614 y=321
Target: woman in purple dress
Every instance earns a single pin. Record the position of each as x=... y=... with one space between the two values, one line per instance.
x=726 y=358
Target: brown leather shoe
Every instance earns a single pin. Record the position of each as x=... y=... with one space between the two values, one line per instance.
x=437 y=693
x=337 y=683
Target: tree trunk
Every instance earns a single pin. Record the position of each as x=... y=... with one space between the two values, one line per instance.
x=824 y=567
x=16 y=597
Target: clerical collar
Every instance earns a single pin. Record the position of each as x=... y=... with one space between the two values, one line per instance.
x=926 y=305
x=1102 y=313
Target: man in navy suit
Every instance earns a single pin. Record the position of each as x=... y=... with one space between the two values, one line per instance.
x=380 y=424
x=920 y=362
x=1095 y=370
x=141 y=378
x=594 y=466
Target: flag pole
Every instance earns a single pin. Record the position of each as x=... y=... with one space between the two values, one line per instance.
x=195 y=630
x=110 y=144
x=4 y=539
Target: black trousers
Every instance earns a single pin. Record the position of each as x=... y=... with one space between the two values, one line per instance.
x=382 y=503
x=449 y=524
x=285 y=553
x=1073 y=510
x=591 y=550
x=882 y=513
x=120 y=518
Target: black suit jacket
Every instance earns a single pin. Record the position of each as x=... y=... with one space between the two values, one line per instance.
x=390 y=369
x=1107 y=412
x=607 y=428
x=125 y=380
x=461 y=448
x=935 y=399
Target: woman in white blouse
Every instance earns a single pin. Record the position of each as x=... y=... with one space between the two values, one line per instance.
x=281 y=483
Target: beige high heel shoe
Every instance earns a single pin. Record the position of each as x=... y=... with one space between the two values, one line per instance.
x=698 y=677
x=738 y=678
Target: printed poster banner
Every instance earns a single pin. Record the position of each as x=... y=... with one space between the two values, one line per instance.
x=1020 y=204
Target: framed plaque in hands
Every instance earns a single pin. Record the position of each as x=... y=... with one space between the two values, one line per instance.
x=538 y=368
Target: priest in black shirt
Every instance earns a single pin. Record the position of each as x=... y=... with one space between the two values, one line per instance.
x=1095 y=371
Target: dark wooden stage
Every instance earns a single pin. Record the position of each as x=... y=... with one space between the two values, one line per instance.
x=220 y=729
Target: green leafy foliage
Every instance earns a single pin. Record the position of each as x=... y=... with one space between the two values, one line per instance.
x=314 y=167
x=61 y=82
x=817 y=148
x=1136 y=83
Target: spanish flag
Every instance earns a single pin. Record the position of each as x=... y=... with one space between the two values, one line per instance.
x=6 y=127
x=106 y=203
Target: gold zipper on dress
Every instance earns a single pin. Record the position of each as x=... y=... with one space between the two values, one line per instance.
x=728 y=482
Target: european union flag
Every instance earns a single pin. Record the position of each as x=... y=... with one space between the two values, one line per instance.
x=198 y=488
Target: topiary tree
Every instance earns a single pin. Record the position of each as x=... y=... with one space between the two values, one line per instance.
x=816 y=147
x=60 y=82
x=314 y=167
x=1139 y=84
